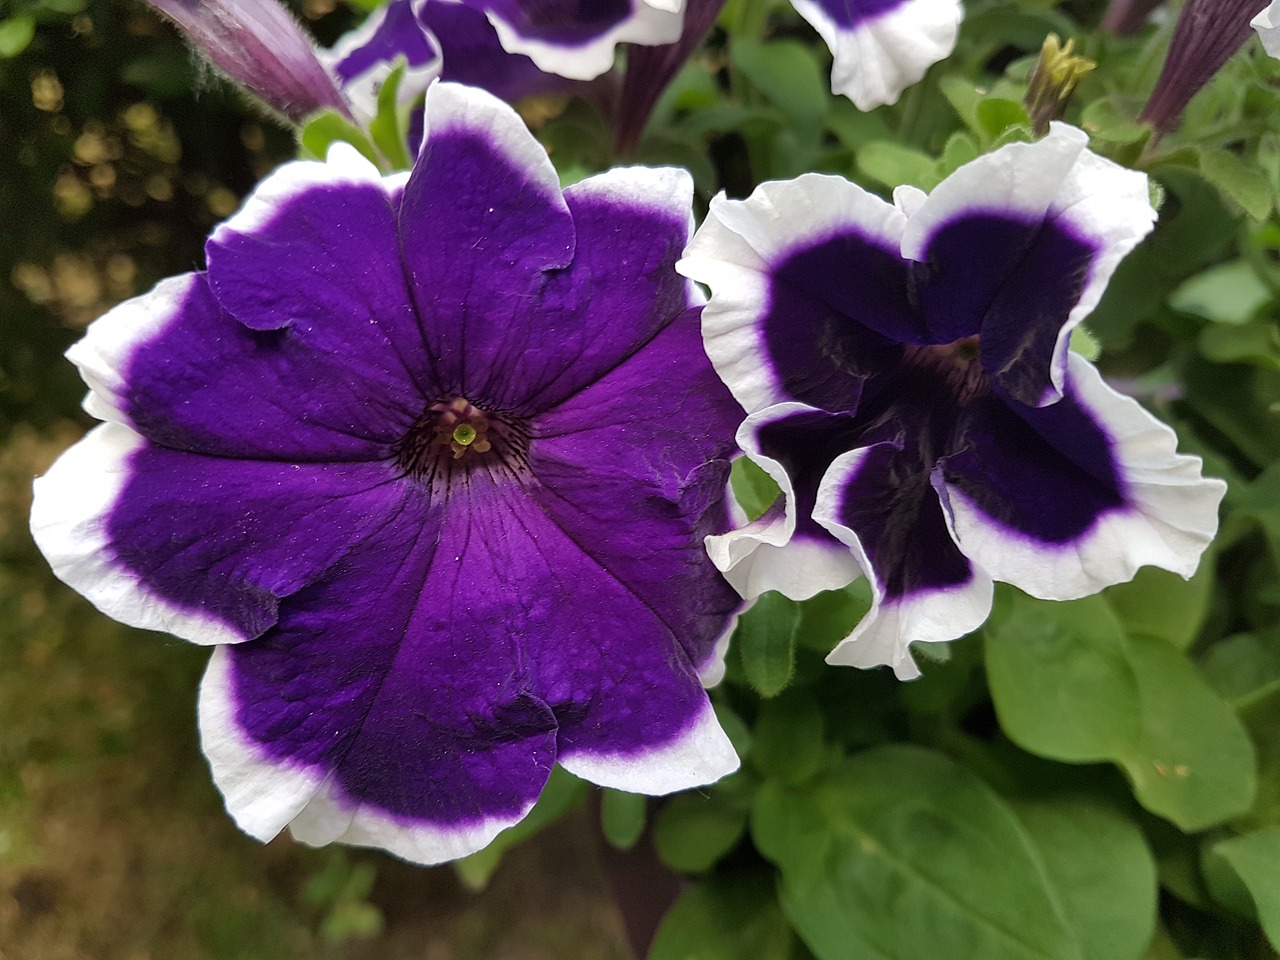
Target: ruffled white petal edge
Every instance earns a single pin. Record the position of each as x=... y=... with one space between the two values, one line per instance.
x=454 y=106
x=765 y=555
x=1267 y=24
x=264 y=795
x=361 y=90
x=739 y=245
x=699 y=756
x=102 y=356
x=874 y=61
x=343 y=164
x=69 y=524
x=1172 y=517
x=651 y=23
x=884 y=635
x=1056 y=178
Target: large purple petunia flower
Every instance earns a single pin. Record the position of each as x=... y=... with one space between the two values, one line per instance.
x=906 y=374
x=431 y=459
x=881 y=47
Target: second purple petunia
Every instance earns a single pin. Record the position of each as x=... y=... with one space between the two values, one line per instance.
x=430 y=458
x=907 y=378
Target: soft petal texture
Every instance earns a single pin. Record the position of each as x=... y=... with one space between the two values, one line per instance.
x=1267 y=25
x=365 y=57
x=474 y=55
x=562 y=660
x=483 y=185
x=738 y=248
x=259 y=45
x=1052 y=220
x=881 y=47
x=69 y=524
x=577 y=40
x=419 y=637
x=1166 y=515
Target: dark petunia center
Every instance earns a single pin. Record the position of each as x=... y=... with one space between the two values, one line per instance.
x=453 y=438
x=956 y=364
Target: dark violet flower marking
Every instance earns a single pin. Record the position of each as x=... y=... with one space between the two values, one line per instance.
x=386 y=453
x=907 y=379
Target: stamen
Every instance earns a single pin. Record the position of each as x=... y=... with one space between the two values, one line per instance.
x=453 y=436
x=957 y=364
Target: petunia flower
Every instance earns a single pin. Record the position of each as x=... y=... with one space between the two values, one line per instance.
x=908 y=383
x=881 y=47
x=429 y=459
x=1267 y=26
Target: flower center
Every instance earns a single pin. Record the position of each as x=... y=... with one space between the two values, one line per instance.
x=956 y=363
x=454 y=437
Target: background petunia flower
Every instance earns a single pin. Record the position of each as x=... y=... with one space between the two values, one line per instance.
x=430 y=458
x=577 y=40
x=906 y=372
x=881 y=47
x=363 y=58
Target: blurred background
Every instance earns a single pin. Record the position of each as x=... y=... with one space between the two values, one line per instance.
x=117 y=154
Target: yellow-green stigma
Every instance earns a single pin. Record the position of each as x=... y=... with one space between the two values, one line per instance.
x=464 y=434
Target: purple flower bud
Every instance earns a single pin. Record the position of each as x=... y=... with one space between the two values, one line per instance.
x=259 y=46
x=1208 y=32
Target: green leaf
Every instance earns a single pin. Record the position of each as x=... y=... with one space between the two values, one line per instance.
x=787 y=73
x=622 y=817
x=1104 y=874
x=327 y=128
x=902 y=854
x=1255 y=858
x=754 y=489
x=691 y=832
x=16 y=34
x=1256 y=343
x=1242 y=182
x=766 y=642
x=996 y=115
x=386 y=129
x=562 y=792
x=1227 y=293
x=893 y=164
x=1107 y=120
x=727 y=918
x=787 y=742
x=1157 y=603
x=1069 y=684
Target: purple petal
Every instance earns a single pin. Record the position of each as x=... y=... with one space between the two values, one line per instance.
x=641 y=509
x=473 y=54
x=810 y=290
x=577 y=40
x=880 y=502
x=498 y=644
x=259 y=46
x=364 y=58
x=1067 y=499
x=1057 y=219
x=881 y=47
x=177 y=368
x=481 y=185
x=204 y=547
x=620 y=290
